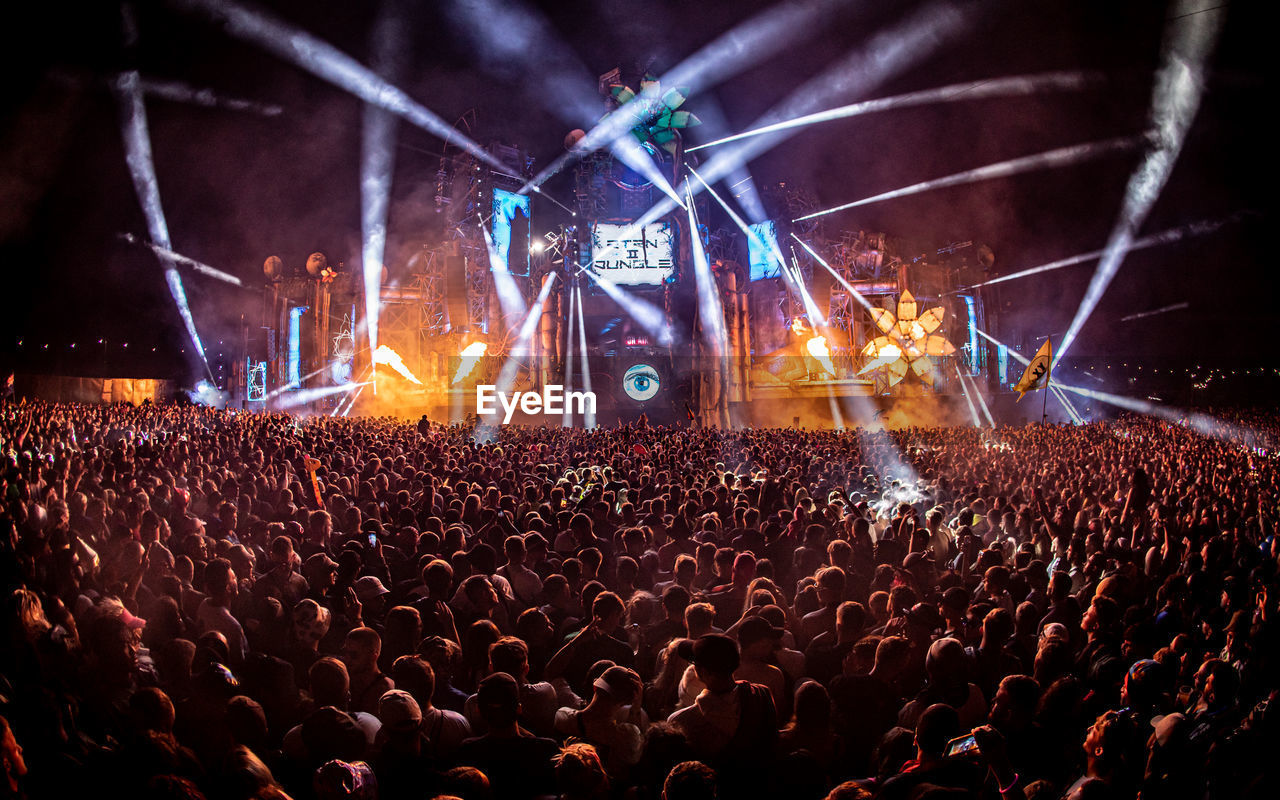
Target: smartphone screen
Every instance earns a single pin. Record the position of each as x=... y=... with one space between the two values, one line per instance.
x=961 y=745
x=373 y=540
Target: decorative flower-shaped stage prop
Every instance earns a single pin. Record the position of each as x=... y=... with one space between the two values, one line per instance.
x=908 y=343
x=658 y=119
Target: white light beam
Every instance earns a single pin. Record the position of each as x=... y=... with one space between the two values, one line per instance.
x=1051 y=159
x=142 y=171
x=329 y=64
x=1188 y=41
x=973 y=90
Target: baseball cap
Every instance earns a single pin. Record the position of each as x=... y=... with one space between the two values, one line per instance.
x=369 y=587
x=318 y=562
x=399 y=712
x=1166 y=725
x=619 y=682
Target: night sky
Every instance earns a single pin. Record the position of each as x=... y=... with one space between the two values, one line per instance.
x=239 y=186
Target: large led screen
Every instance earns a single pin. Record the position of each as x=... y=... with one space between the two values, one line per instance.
x=762 y=251
x=633 y=259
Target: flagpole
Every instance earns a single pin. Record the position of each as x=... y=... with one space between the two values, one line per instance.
x=1048 y=378
x=1044 y=409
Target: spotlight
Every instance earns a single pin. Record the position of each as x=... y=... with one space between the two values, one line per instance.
x=811 y=307
x=589 y=419
x=646 y=314
x=509 y=297
x=709 y=309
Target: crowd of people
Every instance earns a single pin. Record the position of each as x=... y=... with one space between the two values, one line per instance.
x=207 y=603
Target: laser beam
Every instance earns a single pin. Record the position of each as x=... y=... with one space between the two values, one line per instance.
x=1188 y=41
x=972 y=90
x=1051 y=159
x=816 y=317
x=886 y=55
x=589 y=418
x=1155 y=239
x=1153 y=312
x=142 y=171
x=646 y=314
x=754 y=40
x=198 y=266
x=330 y=64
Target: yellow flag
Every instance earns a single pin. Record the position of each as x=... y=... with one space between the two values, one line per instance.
x=1036 y=375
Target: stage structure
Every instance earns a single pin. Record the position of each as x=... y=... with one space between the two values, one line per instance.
x=812 y=319
x=459 y=299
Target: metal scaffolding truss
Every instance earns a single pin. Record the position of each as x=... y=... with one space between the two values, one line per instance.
x=859 y=256
x=722 y=246
x=590 y=179
x=429 y=284
x=841 y=315
x=792 y=202
x=478 y=283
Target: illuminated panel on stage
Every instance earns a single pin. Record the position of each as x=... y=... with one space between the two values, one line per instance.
x=645 y=260
x=762 y=251
x=507 y=206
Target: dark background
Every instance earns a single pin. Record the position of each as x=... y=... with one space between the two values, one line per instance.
x=238 y=187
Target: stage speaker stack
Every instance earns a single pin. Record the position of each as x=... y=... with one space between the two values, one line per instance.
x=455 y=291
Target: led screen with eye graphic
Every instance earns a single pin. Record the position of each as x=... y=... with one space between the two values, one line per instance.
x=641 y=382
